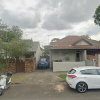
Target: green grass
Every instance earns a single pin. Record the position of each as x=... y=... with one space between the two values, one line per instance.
x=62 y=76
x=17 y=79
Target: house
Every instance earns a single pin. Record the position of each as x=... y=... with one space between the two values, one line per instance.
x=37 y=51
x=74 y=51
x=28 y=62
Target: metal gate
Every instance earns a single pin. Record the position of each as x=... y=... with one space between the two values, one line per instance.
x=20 y=66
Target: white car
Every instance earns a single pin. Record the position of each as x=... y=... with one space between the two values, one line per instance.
x=84 y=78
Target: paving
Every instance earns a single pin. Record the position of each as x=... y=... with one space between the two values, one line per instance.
x=45 y=85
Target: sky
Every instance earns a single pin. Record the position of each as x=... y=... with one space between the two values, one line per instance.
x=43 y=20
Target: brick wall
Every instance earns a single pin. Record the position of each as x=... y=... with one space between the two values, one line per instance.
x=30 y=64
x=12 y=63
x=95 y=57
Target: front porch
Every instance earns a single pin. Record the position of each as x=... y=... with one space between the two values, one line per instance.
x=64 y=60
x=68 y=55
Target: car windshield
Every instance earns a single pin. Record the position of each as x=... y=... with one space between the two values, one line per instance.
x=43 y=59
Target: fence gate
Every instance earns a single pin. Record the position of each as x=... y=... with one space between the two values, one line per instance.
x=20 y=66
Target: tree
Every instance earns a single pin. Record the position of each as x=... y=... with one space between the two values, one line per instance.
x=7 y=36
x=12 y=45
x=46 y=49
x=54 y=40
x=97 y=16
x=16 y=30
x=20 y=48
x=86 y=36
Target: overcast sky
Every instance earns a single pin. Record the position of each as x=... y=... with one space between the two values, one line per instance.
x=43 y=20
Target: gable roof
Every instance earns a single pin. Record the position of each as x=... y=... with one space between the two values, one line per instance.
x=69 y=41
x=82 y=40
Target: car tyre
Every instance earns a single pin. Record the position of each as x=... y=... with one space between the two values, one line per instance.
x=1 y=92
x=81 y=87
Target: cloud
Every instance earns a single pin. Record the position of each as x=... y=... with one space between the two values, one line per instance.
x=69 y=12
x=20 y=15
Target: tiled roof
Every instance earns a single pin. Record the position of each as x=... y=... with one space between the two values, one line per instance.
x=67 y=43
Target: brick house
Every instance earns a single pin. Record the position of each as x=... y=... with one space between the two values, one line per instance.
x=73 y=51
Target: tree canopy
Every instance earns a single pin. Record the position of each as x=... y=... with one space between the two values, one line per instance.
x=97 y=16
x=54 y=40
x=11 y=43
x=86 y=36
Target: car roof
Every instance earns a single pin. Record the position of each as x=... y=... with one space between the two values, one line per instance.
x=86 y=67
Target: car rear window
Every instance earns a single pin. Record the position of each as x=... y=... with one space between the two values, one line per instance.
x=72 y=71
x=89 y=72
x=43 y=59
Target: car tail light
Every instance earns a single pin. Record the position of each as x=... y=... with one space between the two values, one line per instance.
x=71 y=76
x=46 y=63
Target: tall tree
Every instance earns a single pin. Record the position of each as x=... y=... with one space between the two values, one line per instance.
x=17 y=31
x=97 y=16
x=12 y=45
x=46 y=49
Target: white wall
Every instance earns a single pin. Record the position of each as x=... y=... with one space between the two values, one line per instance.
x=82 y=43
x=66 y=66
x=38 y=54
x=61 y=55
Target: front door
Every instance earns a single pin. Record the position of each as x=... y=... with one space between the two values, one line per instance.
x=77 y=55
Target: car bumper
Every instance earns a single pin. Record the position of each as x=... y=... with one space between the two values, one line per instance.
x=71 y=83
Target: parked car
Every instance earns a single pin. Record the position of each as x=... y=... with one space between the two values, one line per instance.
x=43 y=63
x=84 y=78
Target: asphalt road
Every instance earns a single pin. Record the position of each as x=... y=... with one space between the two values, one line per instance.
x=45 y=86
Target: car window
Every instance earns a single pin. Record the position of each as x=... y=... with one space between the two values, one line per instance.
x=98 y=71
x=43 y=59
x=89 y=72
x=72 y=71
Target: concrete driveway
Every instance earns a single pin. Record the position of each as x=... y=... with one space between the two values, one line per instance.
x=45 y=85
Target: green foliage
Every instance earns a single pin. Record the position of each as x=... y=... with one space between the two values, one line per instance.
x=2 y=63
x=16 y=30
x=67 y=58
x=7 y=36
x=86 y=36
x=12 y=45
x=54 y=40
x=97 y=16
x=20 y=47
x=46 y=49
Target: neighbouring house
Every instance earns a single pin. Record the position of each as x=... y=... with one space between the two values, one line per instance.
x=37 y=51
x=74 y=51
x=28 y=62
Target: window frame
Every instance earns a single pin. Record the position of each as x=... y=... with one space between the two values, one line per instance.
x=90 y=74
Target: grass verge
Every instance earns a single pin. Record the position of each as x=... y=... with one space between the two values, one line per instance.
x=17 y=79
x=62 y=76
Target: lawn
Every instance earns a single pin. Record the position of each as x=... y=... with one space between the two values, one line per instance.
x=17 y=79
x=62 y=76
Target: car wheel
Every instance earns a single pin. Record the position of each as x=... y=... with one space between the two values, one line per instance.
x=81 y=87
x=1 y=92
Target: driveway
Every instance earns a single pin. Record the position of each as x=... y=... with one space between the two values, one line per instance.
x=45 y=85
